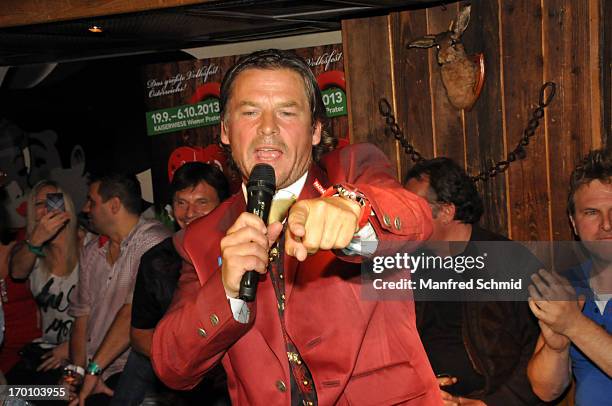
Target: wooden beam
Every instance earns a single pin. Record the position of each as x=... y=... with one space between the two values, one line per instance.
x=607 y=71
x=568 y=122
x=412 y=92
x=367 y=67
x=28 y=12
x=596 y=55
x=485 y=123
x=521 y=55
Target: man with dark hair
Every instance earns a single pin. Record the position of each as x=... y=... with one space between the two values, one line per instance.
x=447 y=188
x=125 y=188
x=307 y=338
x=577 y=332
x=479 y=350
x=271 y=61
x=100 y=339
x=198 y=188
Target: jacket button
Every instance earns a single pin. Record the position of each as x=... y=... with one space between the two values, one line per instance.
x=202 y=332
x=398 y=223
x=214 y=319
x=387 y=220
x=280 y=385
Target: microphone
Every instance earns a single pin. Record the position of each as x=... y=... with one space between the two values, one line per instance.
x=260 y=190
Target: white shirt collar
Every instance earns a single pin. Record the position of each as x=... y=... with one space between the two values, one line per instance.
x=283 y=199
x=292 y=190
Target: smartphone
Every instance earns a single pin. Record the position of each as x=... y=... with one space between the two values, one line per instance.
x=55 y=201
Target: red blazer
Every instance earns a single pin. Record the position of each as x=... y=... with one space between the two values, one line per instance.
x=359 y=352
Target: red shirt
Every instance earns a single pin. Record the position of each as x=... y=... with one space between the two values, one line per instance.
x=20 y=316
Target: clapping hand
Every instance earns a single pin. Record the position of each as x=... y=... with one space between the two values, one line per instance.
x=553 y=301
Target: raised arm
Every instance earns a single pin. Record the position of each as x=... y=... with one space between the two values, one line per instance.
x=549 y=368
x=565 y=318
x=367 y=194
x=399 y=215
x=24 y=254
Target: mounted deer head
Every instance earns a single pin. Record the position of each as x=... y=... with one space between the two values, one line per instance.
x=462 y=75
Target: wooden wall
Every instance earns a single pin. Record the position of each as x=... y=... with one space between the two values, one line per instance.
x=607 y=21
x=526 y=43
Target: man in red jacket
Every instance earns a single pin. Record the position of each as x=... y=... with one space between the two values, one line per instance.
x=308 y=338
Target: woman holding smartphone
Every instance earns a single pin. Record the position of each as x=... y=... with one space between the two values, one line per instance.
x=49 y=259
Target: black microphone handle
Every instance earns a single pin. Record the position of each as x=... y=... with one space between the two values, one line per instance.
x=248 y=286
x=259 y=202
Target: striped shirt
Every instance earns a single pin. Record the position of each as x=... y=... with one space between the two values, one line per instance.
x=103 y=288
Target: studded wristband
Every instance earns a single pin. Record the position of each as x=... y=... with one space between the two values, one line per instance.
x=354 y=195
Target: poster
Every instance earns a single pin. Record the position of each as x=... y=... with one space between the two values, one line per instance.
x=182 y=109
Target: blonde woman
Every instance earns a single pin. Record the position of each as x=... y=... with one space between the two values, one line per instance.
x=49 y=259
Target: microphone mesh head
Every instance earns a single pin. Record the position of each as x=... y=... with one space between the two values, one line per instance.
x=263 y=173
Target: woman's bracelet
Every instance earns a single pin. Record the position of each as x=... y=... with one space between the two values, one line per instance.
x=35 y=249
x=93 y=369
x=76 y=369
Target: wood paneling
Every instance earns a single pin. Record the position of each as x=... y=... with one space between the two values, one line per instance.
x=526 y=43
x=447 y=121
x=26 y=12
x=606 y=21
x=596 y=53
x=567 y=123
x=367 y=64
x=411 y=69
x=522 y=70
x=484 y=124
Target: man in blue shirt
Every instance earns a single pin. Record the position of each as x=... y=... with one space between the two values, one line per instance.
x=577 y=333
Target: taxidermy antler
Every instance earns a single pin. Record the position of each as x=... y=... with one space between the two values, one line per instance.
x=462 y=75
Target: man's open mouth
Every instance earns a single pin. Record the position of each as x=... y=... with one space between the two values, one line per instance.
x=267 y=154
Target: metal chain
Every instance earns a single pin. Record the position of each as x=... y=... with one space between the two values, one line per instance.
x=547 y=93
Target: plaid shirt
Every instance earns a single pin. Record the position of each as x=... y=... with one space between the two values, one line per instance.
x=103 y=288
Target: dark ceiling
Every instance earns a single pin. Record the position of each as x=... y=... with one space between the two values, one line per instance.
x=211 y=23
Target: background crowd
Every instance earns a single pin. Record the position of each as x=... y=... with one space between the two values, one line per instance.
x=116 y=306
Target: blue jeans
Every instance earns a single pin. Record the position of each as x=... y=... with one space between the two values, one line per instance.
x=137 y=380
